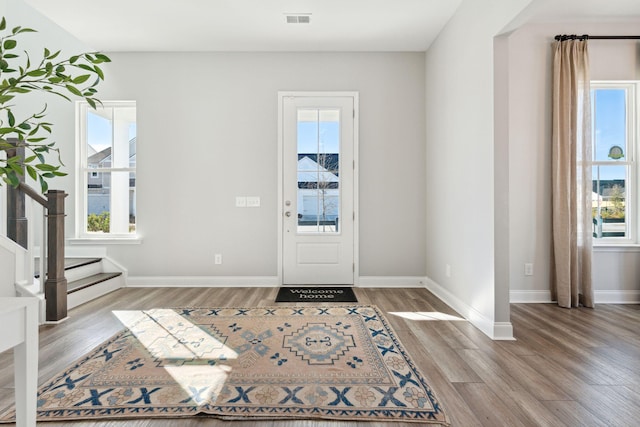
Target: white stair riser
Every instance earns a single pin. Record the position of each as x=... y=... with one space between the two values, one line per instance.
x=77 y=273
x=92 y=292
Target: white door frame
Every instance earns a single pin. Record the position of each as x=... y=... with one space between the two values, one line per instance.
x=280 y=204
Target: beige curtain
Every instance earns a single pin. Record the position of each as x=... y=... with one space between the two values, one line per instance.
x=571 y=181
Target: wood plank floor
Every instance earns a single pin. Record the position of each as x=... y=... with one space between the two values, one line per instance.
x=577 y=367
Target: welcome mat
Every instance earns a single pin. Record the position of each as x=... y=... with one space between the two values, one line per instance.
x=330 y=362
x=316 y=294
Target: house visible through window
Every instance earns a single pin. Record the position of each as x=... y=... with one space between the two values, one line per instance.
x=614 y=200
x=107 y=178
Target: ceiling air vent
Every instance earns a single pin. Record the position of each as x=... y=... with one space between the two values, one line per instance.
x=298 y=18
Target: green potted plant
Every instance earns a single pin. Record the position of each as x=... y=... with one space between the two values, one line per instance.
x=73 y=77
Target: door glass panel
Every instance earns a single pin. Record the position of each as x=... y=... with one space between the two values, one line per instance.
x=318 y=198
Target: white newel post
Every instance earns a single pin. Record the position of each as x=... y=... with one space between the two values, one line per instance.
x=19 y=330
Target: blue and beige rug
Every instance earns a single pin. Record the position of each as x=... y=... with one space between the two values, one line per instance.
x=322 y=362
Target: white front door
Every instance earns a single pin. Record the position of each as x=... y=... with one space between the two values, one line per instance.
x=318 y=139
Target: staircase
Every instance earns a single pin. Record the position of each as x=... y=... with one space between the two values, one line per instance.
x=88 y=279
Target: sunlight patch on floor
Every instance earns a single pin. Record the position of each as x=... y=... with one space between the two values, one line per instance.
x=193 y=357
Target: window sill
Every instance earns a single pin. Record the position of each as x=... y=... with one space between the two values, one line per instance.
x=616 y=247
x=133 y=240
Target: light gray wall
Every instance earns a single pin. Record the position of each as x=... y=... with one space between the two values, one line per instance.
x=460 y=159
x=207 y=132
x=530 y=154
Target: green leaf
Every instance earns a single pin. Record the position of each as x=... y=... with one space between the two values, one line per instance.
x=32 y=172
x=3 y=24
x=43 y=184
x=12 y=179
x=11 y=118
x=91 y=102
x=5 y=98
x=37 y=73
x=73 y=59
x=24 y=126
x=46 y=167
x=4 y=131
x=16 y=168
x=81 y=79
x=99 y=72
x=73 y=90
x=11 y=56
x=9 y=44
x=86 y=67
x=23 y=89
x=53 y=56
x=102 y=57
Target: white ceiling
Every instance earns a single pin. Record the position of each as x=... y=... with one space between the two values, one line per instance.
x=250 y=25
x=260 y=25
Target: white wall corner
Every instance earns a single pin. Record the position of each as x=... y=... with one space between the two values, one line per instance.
x=390 y=282
x=503 y=331
x=202 y=281
x=494 y=330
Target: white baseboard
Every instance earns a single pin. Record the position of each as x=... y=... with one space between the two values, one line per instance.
x=530 y=297
x=202 y=281
x=617 y=297
x=264 y=281
x=600 y=297
x=494 y=330
x=390 y=282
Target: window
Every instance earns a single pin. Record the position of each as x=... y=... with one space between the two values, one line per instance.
x=615 y=170
x=107 y=170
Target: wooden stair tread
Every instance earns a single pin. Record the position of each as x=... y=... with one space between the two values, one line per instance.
x=86 y=282
x=70 y=263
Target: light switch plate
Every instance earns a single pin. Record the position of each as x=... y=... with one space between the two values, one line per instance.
x=253 y=202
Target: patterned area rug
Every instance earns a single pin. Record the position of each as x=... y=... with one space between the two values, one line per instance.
x=340 y=362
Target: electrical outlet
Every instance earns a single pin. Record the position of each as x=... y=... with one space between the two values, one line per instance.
x=528 y=269
x=218 y=259
x=241 y=202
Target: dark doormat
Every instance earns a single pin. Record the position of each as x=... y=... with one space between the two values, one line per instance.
x=316 y=294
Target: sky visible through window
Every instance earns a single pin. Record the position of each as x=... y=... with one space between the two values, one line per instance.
x=326 y=141
x=609 y=128
x=99 y=131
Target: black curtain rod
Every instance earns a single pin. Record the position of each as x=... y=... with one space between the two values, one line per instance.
x=564 y=37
